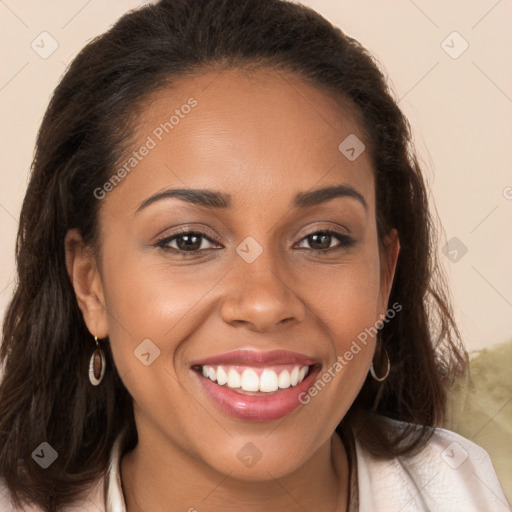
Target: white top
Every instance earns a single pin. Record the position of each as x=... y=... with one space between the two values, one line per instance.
x=451 y=474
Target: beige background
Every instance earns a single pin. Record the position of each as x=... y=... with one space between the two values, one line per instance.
x=460 y=110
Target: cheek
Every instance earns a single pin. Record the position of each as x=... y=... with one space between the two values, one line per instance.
x=347 y=295
x=145 y=293
x=156 y=302
x=348 y=308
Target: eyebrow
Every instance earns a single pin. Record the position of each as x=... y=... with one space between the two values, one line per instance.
x=220 y=200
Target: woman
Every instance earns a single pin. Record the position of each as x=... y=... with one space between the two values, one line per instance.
x=228 y=296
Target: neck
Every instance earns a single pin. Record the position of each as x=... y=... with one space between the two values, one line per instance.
x=155 y=476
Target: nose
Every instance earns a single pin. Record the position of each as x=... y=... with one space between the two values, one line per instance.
x=260 y=296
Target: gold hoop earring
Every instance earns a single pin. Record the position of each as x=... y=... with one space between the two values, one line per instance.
x=97 y=365
x=384 y=377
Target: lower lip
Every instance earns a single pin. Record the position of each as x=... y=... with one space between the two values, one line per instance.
x=255 y=407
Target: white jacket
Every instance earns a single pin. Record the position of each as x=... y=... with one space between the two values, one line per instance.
x=451 y=474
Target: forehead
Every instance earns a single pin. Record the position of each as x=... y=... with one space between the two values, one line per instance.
x=260 y=134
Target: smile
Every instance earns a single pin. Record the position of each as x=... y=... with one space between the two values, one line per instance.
x=256 y=386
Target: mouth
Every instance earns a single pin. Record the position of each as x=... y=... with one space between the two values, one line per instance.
x=256 y=386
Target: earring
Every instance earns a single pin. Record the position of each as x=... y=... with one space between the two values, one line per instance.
x=372 y=370
x=97 y=364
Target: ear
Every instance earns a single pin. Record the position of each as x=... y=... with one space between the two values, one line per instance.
x=86 y=280
x=388 y=261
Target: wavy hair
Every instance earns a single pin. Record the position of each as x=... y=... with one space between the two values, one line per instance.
x=45 y=394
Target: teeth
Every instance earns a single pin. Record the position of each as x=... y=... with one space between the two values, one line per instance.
x=284 y=379
x=222 y=376
x=234 y=379
x=268 y=381
x=294 y=376
x=265 y=380
x=250 y=381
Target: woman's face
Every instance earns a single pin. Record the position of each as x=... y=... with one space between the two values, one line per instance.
x=245 y=294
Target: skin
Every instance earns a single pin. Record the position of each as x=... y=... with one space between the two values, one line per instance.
x=261 y=137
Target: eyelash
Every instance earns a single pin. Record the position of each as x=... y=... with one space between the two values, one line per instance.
x=345 y=242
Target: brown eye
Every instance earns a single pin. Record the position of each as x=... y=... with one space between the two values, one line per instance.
x=190 y=242
x=321 y=241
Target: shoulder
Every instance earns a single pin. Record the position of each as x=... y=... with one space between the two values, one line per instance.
x=93 y=501
x=451 y=473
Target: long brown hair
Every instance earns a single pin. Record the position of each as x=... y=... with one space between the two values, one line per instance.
x=45 y=395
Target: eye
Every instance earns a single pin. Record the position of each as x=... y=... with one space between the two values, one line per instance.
x=321 y=241
x=185 y=242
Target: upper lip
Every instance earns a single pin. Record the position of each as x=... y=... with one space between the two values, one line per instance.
x=257 y=358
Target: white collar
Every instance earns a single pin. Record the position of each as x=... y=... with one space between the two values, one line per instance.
x=425 y=481
x=115 y=498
